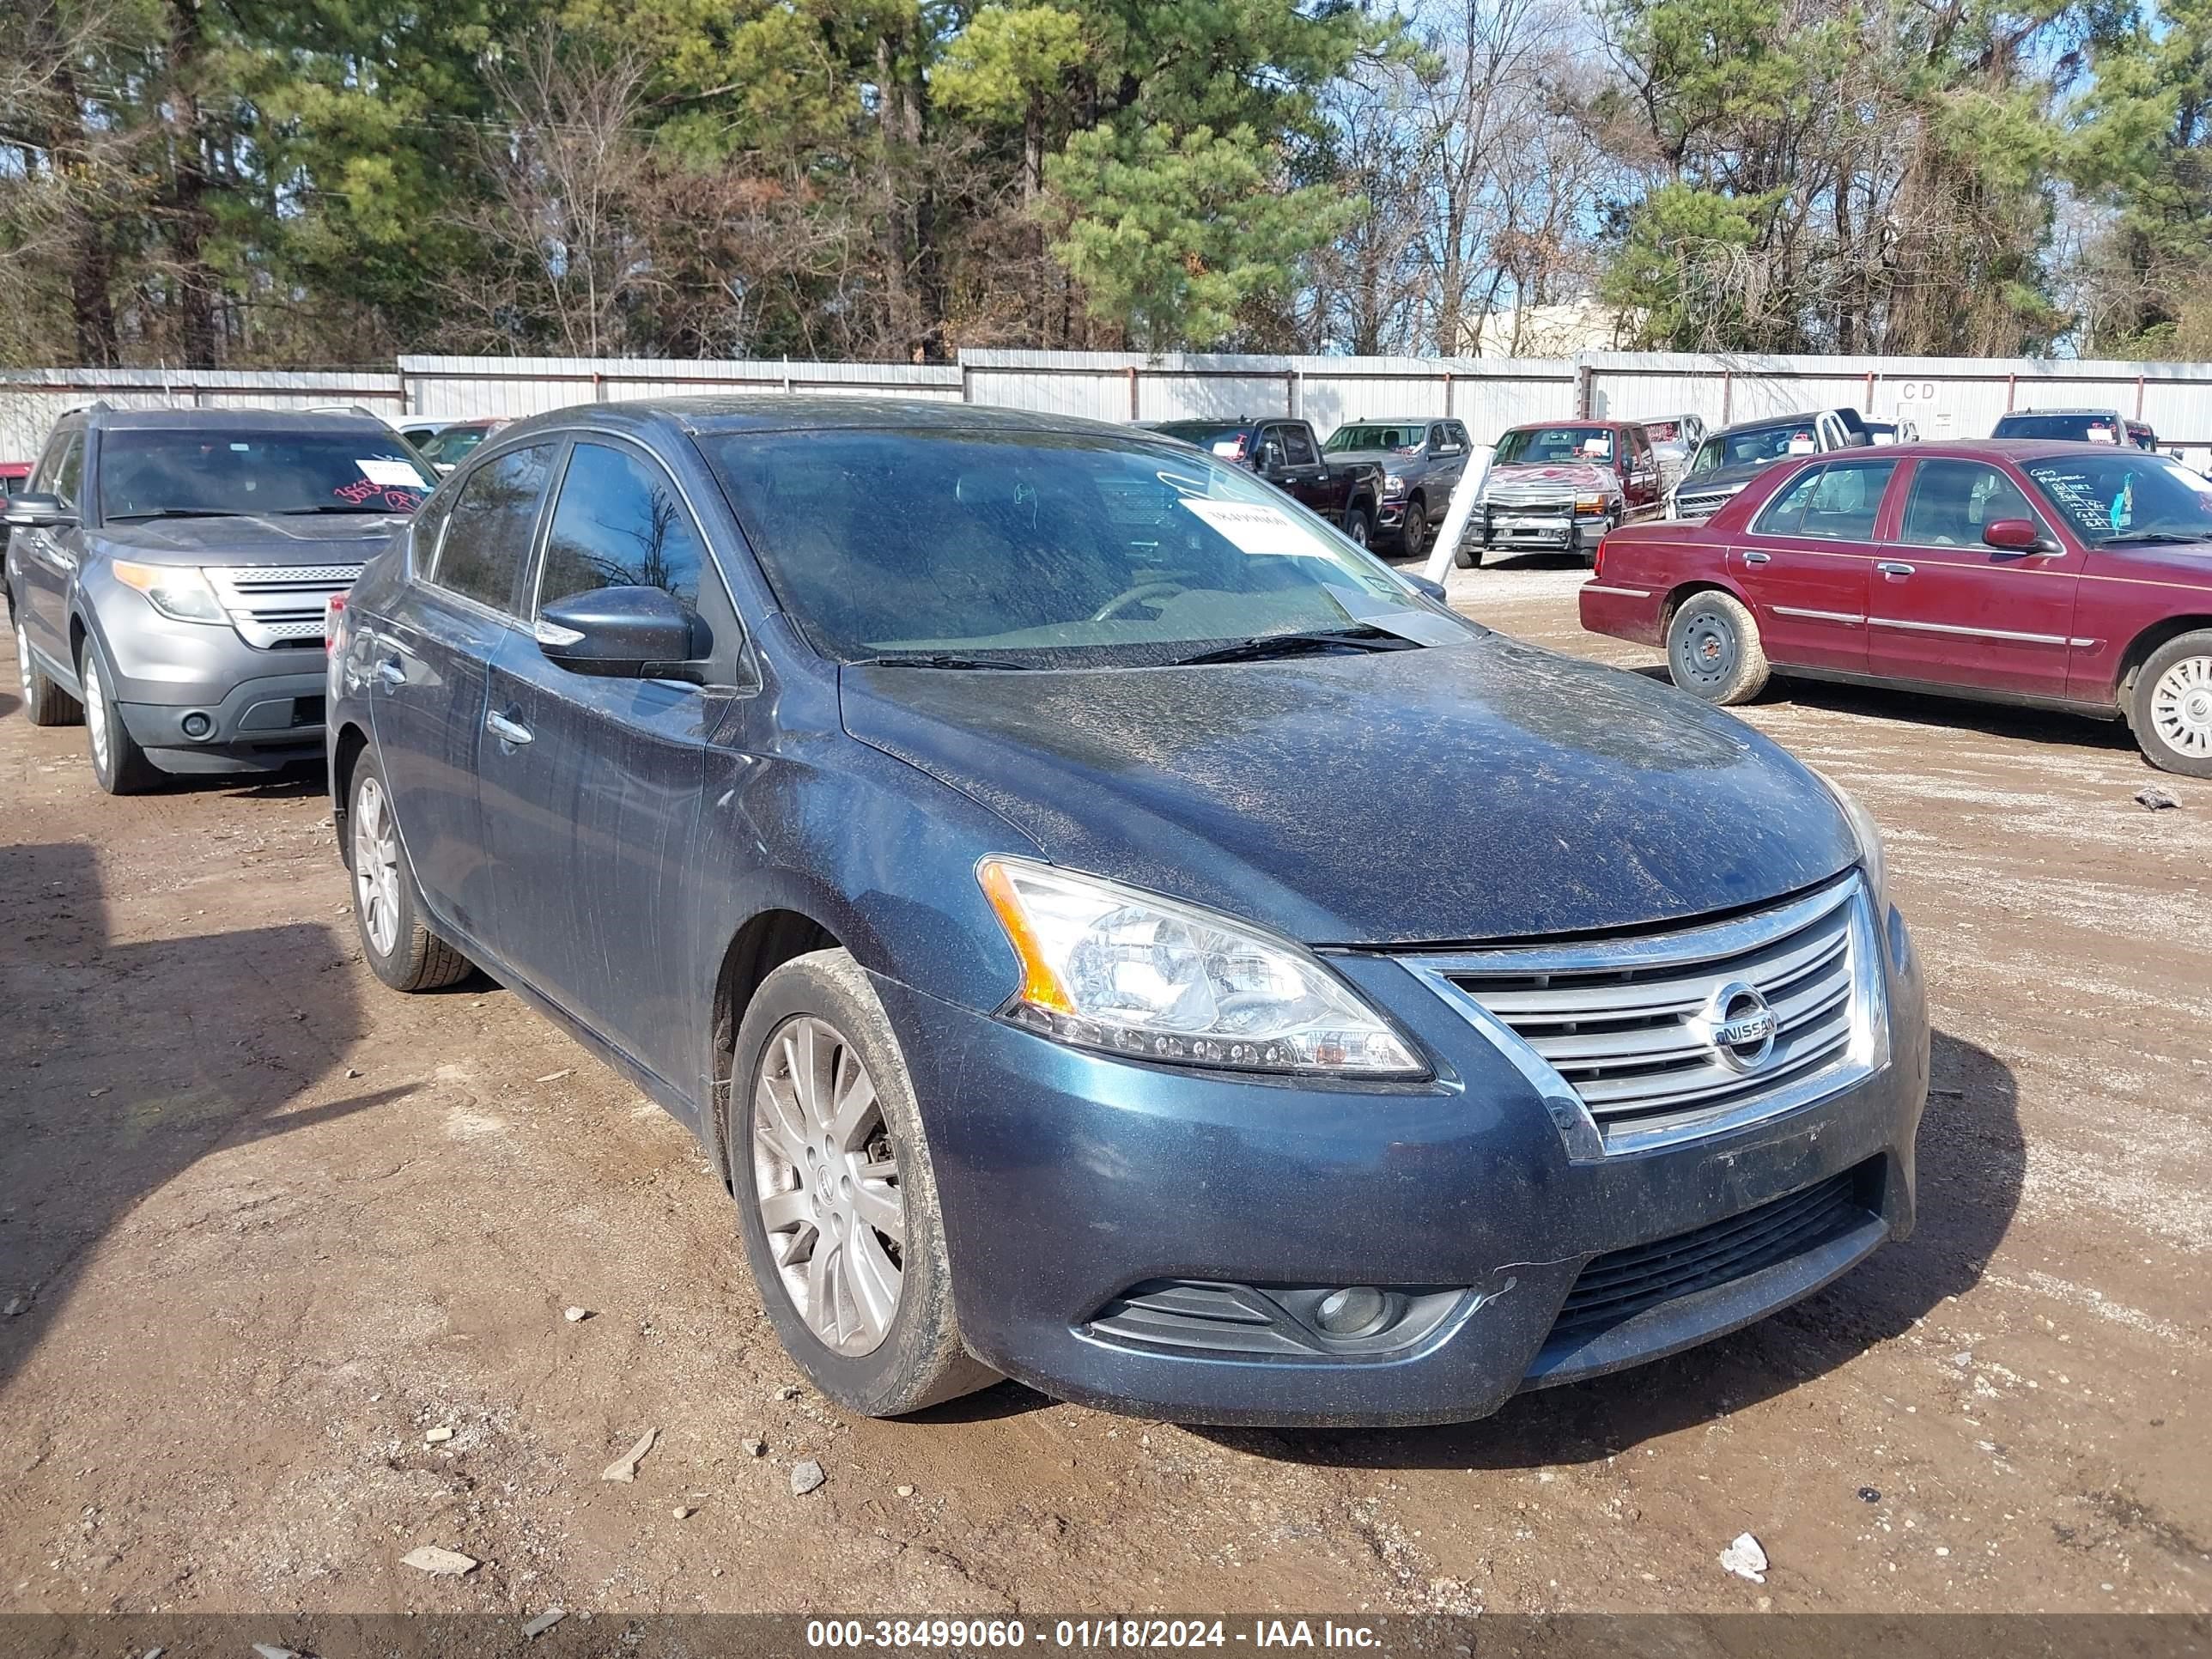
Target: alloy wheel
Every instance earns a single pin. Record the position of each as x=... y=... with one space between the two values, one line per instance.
x=95 y=713
x=376 y=867
x=826 y=1179
x=2181 y=707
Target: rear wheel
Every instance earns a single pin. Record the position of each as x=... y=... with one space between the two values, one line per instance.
x=119 y=765
x=1414 y=537
x=2170 y=710
x=837 y=1196
x=401 y=950
x=1713 y=649
x=45 y=703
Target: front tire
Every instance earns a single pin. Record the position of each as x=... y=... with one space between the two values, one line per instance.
x=1713 y=649
x=1468 y=556
x=1358 y=525
x=119 y=765
x=1413 y=537
x=401 y=950
x=836 y=1197
x=45 y=703
x=2170 y=708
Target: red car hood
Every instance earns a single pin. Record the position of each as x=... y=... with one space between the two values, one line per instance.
x=1580 y=476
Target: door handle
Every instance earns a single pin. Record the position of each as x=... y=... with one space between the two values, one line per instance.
x=506 y=729
x=392 y=673
x=1759 y=558
x=1891 y=568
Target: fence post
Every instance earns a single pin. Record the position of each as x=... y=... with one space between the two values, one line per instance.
x=1585 y=380
x=1133 y=391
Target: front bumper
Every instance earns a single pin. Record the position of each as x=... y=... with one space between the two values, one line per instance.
x=1068 y=1179
x=1504 y=530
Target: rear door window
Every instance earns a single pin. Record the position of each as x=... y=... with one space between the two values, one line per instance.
x=62 y=472
x=487 y=540
x=1836 y=504
x=619 y=523
x=1297 y=446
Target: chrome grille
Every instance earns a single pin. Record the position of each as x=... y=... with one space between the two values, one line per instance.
x=1629 y=1040
x=1703 y=503
x=278 y=605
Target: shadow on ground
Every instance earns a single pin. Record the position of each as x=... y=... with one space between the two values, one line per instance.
x=123 y=1064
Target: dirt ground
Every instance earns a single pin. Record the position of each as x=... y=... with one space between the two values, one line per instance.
x=267 y=1226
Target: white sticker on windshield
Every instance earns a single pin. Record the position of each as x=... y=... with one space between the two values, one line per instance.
x=2100 y=433
x=1255 y=528
x=1231 y=447
x=391 y=474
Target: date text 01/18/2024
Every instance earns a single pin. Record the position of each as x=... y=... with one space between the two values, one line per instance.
x=1085 y=1634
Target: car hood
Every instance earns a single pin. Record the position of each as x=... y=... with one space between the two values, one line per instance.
x=1728 y=477
x=335 y=539
x=1389 y=460
x=1581 y=477
x=1479 y=791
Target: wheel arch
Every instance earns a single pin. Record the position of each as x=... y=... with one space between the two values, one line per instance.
x=1682 y=592
x=2141 y=647
x=763 y=943
x=345 y=755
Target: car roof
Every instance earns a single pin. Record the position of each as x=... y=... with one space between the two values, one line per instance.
x=1394 y=420
x=2009 y=413
x=228 y=420
x=2016 y=450
x=786 y=412
x=1578 y=420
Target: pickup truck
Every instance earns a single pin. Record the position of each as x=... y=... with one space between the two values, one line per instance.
x=1285 y=452
x=1421 y=460
x=1558 y=486
x=1731 y=458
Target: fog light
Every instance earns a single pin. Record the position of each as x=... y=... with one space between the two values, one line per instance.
x=1353 y=1311
x=198 y=725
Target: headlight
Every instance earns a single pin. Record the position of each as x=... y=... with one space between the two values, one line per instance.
x=1869 y=833
x=1589 y=506
x=1109 y=968
x=1393 y=484
x=177 y=590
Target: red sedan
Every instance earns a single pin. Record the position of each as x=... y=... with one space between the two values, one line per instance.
x=2071 y=577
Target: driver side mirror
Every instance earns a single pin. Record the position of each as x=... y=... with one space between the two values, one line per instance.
x=622 y=633
x=37 y=510
x=1449 y=448
x=2017 y=535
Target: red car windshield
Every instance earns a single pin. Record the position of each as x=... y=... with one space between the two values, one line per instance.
x=2127 y=497
x=1555 y=445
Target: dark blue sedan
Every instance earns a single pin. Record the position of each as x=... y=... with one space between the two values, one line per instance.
x=1109 y=931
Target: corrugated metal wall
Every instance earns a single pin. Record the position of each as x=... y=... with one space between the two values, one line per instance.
x=1945 y=397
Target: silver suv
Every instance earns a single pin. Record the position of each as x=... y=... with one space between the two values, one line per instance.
x=167 y=573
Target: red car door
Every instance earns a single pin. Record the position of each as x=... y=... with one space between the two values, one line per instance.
x=1946 y=609
x=1639 y=475
x=1805 y=560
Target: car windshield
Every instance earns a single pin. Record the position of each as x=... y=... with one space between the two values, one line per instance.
x=1542 y=446
x=2073 y=428
x=1407 y=438
x=1755 y=446
x=1038 y=549
x=444 y=448
x=2126 y=497
x=153 y=474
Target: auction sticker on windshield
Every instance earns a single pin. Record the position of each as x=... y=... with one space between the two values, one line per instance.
x=390 y=473
x=1252 y=527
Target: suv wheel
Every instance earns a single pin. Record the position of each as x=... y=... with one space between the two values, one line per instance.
x=1358 y=525
x=1414 y=537
x=119 y=765
x=1713 y=650
x=836 y=1200
x=401 y=951
x=2170 y=708
x=1468 y=556
x=45 y=703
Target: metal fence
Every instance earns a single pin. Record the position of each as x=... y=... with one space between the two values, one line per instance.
x=1941 y=397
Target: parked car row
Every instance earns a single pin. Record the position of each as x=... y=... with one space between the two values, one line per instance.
x=1050 y=1024
x=2075 y=576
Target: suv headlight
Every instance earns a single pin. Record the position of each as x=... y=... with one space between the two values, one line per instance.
x=1590 y=505
x=1869 y=833
x=1394 y=483
x=1129 y=973
x=177 y=590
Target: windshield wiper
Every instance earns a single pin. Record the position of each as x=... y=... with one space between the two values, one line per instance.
x=178 y=513
x=934 y=659
x=334 y=506
x=2156 y=539
x=1305 y=643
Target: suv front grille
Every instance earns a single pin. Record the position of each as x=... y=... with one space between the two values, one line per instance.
x=1703 y=504
x=279 y=605
x=1661 y=1038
